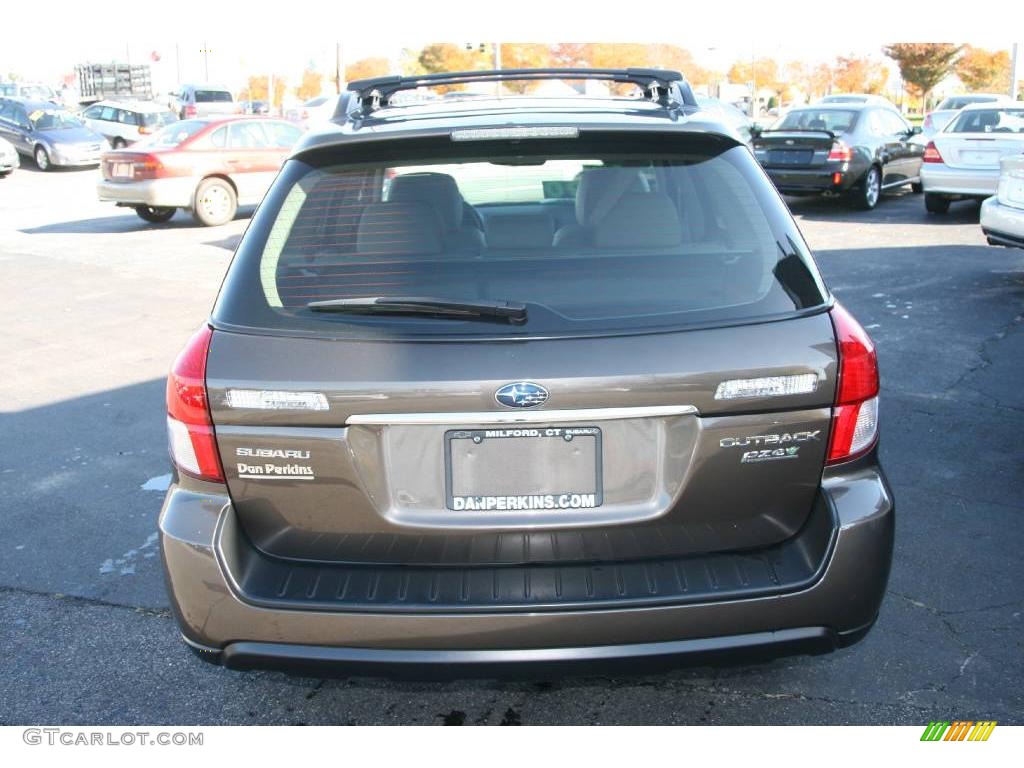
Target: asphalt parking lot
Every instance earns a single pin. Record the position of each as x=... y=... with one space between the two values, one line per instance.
x=96 y=303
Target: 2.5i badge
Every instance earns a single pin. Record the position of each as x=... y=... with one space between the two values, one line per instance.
x=753 y=457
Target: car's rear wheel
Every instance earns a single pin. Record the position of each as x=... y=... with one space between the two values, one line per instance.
x=42 y=158
x=866 y=195
x=935 y=203
x=154 y=214
x=215 y=203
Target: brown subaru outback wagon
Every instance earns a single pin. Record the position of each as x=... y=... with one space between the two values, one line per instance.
x=523 y=383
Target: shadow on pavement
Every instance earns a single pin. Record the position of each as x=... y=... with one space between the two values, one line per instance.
x=129 y=223
x=896 y=206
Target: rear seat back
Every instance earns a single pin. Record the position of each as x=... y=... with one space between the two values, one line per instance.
x=519 y=231
x=398 y=229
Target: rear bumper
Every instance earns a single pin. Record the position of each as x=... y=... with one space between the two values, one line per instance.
x=532 y=662
x=74 y=157
x=158 y=193
x=1002 y=224
x=938 y=178
x=803 y=181
x=9 y=162
x=837 y=608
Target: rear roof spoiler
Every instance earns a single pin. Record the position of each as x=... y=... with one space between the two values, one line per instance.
x=663 y=86
x=831 y=134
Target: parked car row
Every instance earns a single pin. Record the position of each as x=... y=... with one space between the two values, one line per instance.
x=858 y=149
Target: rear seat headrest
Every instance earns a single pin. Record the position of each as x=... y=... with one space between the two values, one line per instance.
x=600 y=188
x=519 y=230
x=640 y=221
x=439 y=190
x=398 y=228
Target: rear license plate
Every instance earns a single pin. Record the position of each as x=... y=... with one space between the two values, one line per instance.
x=790 y=156
x=123 y=170
x=523 y=469
x=980 y=157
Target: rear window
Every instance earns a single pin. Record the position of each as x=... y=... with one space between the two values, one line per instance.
x=207 y=96
x=988 y=121
x=958 y=102
x=678 y=231
x=175 y=133
x=157 y=119
x=835 y=120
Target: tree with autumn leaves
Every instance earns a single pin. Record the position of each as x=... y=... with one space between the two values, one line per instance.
x=451 y=57
x=923 y=65
x=981 y=70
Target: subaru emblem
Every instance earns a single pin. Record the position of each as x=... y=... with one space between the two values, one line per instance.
x=521 y=394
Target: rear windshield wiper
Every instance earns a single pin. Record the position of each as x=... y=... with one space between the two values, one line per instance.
x=508 y=311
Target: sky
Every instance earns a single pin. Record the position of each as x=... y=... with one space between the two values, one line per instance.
x=246 y=37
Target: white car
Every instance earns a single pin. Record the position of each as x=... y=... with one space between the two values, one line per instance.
x=941 y=116
x=1002 y=216
x=126 y=122
x=962 y=161
x=8 y=158
x=314 y=112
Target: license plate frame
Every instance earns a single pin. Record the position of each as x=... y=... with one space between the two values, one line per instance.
x=570 y=497
x=122 y=171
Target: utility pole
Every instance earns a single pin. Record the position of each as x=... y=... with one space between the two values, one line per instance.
x=497 y=65
x=206 y=61
x=1014 y=78
x=338 y=74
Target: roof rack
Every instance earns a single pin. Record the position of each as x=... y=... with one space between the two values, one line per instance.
x=664 y=86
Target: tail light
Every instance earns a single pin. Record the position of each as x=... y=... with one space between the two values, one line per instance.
x=855 y=415
x=931 y=153
x=144 y=129
x=190 y=110
x=191 y=439
x=840 y=152
x=150 y=166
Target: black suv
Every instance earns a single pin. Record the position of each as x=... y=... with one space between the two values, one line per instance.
x=512 y=381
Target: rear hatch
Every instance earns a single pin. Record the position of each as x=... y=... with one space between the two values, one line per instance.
x=976 y=151
x=658 y=380
x=978 y=139
x=793 y=149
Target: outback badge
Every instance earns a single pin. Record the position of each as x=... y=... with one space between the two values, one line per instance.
x=521 y=394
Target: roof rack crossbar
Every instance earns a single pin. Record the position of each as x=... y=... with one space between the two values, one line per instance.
x=661 y=85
